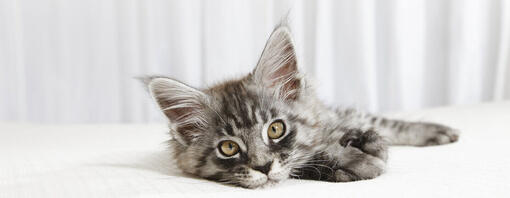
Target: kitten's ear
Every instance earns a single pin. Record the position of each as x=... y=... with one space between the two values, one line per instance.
x=277 y=67
x=183 y=105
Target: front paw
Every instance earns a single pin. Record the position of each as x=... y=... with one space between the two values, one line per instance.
x=367 y=141
x=439 y=134
x=352 y=138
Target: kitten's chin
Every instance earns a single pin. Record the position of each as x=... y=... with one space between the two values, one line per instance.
x=278 y=176
x=261 y=185
x=268 y=181
x=266 y=184
x=256 y=180
x=271 y=183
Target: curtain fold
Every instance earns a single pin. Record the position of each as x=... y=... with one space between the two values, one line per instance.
x=74 y=61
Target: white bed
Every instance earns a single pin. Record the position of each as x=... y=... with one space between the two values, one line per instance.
x=131 y=161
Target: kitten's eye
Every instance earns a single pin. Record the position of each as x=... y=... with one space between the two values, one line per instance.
x=228 y=148
x=276 y=129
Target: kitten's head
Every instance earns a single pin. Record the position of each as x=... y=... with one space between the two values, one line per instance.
x=248 y=132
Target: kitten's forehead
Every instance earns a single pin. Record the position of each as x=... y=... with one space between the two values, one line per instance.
x=239 y=105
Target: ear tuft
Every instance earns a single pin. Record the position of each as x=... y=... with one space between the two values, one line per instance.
x=183 y=105
x=277 y=67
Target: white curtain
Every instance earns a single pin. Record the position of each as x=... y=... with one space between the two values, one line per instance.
x=73 y=61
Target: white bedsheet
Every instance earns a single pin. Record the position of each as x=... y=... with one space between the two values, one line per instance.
x=131 y=161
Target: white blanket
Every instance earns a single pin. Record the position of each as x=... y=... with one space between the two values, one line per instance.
x=131 y=161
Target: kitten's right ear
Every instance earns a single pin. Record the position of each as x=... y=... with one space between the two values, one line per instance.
x=183 y=105
x=277 y=68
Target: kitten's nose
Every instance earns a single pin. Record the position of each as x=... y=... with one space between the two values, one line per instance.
x=264 y=169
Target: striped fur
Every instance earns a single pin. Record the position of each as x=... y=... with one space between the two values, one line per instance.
x=319 y=143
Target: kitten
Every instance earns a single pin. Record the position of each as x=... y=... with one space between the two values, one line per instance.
x=269 y=126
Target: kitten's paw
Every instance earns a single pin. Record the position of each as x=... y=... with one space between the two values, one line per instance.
x=345 y=176
x=441 y=135
x=369 y=142
x=352 y=138
x=367 y=167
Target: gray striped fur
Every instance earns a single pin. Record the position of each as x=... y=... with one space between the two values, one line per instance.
x=320 y=142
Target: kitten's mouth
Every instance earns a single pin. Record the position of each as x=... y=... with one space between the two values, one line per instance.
x=263 y=183
x=269 y=183
x=259 y=179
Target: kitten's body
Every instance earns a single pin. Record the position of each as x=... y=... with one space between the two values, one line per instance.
x=319 y=142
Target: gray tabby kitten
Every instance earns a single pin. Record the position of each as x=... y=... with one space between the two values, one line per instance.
x=269 y=125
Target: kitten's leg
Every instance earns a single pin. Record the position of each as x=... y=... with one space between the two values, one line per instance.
x=402 y=132
x=364 y=156
x=415 y=133
x=356 y=155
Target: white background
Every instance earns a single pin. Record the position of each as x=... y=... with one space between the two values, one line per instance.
x=73 y=61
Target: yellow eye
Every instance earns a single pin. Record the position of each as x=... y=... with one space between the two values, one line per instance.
x=228 y=148
x=276 y=129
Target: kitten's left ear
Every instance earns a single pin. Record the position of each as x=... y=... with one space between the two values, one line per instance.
x=277 y=67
